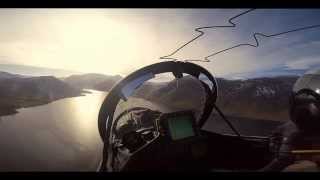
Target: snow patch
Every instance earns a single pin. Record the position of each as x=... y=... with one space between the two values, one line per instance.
x=265 y=91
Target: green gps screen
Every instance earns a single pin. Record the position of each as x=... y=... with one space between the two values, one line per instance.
x=180 y=127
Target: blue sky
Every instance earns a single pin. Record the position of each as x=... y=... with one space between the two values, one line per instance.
x=287 y=54
x=119 y=41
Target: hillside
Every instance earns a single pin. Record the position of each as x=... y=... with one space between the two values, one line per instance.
x=92 y=81
x=18 y=91
x=259 y=98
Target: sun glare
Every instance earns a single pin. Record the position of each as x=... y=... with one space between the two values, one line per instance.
x=85 y=40
x=96 y=43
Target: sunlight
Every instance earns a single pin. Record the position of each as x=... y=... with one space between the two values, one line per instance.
x=95 y=43
x=91 y=40
x=82 y=110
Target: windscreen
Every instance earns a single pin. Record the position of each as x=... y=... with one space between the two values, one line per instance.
x=129 y=88
x=159 y=93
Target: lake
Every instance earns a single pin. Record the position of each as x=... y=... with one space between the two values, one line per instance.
x=63 y=135
x=59 y=136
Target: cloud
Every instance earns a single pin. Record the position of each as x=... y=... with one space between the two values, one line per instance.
x=303 y=64
x=119 y=41
x=273 y=54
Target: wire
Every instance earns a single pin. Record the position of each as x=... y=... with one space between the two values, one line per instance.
x=202 y=33
x=232 y=25
x=257 y=41
x=255 y=36
x=226 y=120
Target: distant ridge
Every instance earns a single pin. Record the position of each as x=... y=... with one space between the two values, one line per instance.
x=95 y=81
x=18 y=91
x=258 y=98
x=35 y=71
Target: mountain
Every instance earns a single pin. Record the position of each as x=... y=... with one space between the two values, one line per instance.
x=92 y=81
x=17 y=91
x=35 y=71
x=5 y=75
x=258 y=98
x=185 y=92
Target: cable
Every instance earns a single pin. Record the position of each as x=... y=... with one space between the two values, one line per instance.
x=257 y=41
x=227 y=121
x=239 y=45
x=202 y=33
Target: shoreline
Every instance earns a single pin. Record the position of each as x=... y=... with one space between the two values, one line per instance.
x=13 y=109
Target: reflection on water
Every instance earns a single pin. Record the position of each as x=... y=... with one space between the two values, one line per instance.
x=63 y=135
x=60 y=136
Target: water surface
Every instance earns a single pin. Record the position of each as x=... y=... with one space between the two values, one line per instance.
x=59 y=136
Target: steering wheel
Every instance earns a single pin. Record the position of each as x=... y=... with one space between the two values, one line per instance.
x=126 y=87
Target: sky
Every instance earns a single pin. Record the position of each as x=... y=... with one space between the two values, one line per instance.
x=120 y=41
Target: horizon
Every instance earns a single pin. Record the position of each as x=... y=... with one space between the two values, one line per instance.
x=63 y=73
